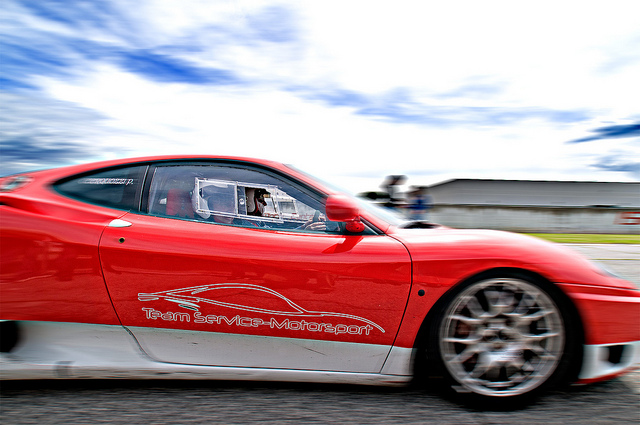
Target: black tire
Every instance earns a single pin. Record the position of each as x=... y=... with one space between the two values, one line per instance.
x=503 y=337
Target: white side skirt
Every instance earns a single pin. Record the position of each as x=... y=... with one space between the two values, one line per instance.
x=237 y=350
x=50 y=350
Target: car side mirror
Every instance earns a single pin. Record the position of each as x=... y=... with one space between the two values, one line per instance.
x=341 y=208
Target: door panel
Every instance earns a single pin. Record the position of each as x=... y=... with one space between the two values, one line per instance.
x=323 y=301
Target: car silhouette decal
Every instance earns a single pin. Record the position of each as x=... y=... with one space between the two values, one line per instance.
x=193 y=297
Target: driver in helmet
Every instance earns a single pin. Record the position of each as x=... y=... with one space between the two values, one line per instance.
x=256 y=202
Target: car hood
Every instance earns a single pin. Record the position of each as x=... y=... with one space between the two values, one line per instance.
x=473 y=251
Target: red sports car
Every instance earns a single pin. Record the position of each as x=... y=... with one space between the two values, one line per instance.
x=201 y=267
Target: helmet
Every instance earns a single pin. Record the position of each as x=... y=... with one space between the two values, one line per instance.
x=255 y=200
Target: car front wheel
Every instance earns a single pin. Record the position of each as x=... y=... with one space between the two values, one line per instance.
x=501 y=337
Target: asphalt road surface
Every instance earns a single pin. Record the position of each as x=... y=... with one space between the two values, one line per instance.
x=160 y=402
x=622 y=259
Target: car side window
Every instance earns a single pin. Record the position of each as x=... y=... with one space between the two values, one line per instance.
x=115 y=188
x=236 y=196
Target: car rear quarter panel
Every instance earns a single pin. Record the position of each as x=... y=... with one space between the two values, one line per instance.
x=50 y=265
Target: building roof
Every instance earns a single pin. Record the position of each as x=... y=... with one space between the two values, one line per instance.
x=536 y=193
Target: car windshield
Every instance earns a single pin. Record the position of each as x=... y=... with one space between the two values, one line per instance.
x=390 y=216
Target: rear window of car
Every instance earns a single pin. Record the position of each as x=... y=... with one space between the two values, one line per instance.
x=115 y=188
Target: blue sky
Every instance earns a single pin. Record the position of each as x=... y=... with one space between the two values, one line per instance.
x=350 y=91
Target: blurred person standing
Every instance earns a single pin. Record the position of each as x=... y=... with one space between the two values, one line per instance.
x=419 y=203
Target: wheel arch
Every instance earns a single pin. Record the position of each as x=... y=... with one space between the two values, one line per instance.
x=422 y=368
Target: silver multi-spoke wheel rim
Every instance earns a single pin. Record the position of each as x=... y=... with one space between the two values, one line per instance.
x=502 y=337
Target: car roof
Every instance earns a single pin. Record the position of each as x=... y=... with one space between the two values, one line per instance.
x=75 y=169
x=54 y=174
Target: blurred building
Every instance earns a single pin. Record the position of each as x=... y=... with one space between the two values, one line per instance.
x=536 y=193
x=537 y=206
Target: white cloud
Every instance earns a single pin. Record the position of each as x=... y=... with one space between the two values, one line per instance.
x=507 y=83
